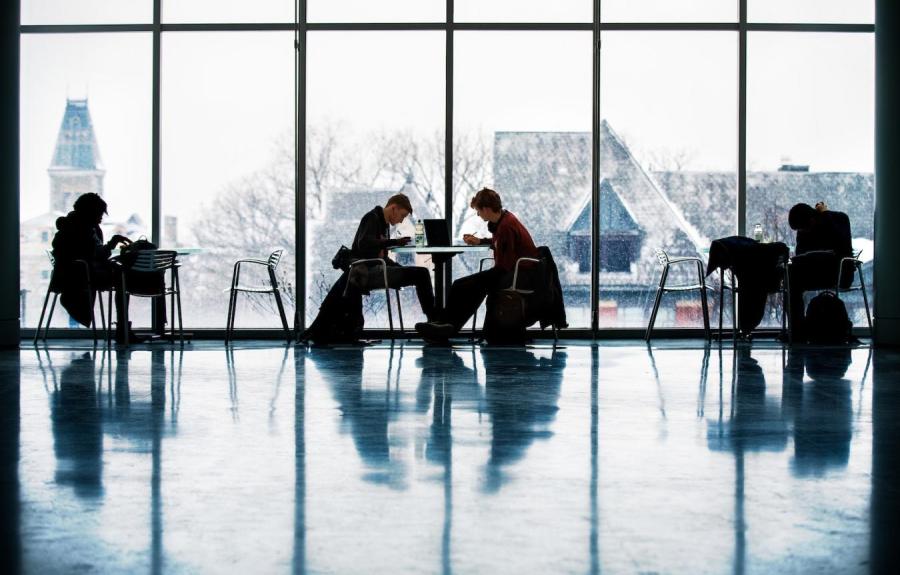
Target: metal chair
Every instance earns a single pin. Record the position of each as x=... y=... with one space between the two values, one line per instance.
x=855 y=262
x=734 y=288
x=271 y=264
x=387 y=291
x=666 y=262
x=151 y=261
x=56 y=291
x=514 y=287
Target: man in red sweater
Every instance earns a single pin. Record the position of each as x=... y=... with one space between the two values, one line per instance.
x=510 y=241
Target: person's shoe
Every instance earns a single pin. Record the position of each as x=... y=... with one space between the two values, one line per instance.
x=437 y=333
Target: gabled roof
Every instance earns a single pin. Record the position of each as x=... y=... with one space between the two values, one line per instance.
x=545 y=178
x=76 y=144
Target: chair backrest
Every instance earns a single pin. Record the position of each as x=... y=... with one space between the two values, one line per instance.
x=274 y=258
x=154 y=260
x=661 y=256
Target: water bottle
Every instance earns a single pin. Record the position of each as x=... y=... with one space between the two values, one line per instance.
x=758 y=232
x=420 y=234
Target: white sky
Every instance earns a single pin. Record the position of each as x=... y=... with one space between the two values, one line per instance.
x=227 y=97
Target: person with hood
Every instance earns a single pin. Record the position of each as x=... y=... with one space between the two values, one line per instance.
x=79 y=237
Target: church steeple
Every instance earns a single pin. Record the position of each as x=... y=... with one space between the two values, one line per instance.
x=76 y=167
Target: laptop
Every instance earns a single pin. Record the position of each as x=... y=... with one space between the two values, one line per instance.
x=436 y=233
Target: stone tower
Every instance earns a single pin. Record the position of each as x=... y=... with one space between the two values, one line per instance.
x=76 y=167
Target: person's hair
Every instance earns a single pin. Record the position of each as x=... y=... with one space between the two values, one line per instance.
x=487 y=198
x=90 y=203
x=800 y=215
x=401 y=201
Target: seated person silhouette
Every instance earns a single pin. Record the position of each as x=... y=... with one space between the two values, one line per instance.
x=79 y=237
x=510 y=241
x=340 y=317
x=823 y=238
x=372 y=240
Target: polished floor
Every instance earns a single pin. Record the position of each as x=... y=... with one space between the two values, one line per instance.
x=584 y=458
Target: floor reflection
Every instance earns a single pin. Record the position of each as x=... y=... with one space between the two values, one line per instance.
x=403 y=458
x=521 y=394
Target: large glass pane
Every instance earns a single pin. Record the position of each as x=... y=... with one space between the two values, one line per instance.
x=523 y=127
x=670 y=11
x=85 y=127
x=228 y=11
x=523 y=11
x=228 y=167
x=87 y=11
x=668 y=159
x=375 y=109
x=810 y=135
x=825 y=11
x=376 y=11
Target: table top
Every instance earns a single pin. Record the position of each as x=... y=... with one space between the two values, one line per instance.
x=182 y=251
x=438 y=250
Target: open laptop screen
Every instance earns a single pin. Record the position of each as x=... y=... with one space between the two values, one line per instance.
x=436 y=234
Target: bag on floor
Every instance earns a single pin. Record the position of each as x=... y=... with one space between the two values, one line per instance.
x=827 y=320
x=506 y=317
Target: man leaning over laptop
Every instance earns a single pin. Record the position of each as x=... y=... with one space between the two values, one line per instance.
x=372 y=240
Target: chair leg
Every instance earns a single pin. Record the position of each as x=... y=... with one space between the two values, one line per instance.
x=703 y=301
x=399 y=311
x=659 y=293
x=50 y=315
x=109 y=308
x=231 y=301
x=37 y=332
x=178 y=301
x=721 y=299
x=102 y=312
x=125 y=303
x=387 y=295
x=862 y=284
x=93 y=318
x=734 y=310
x=277 y=293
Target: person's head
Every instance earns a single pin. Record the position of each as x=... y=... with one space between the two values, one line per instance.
x=90 y=205
x=396 y=209
x=801 y=216
x=487 y=204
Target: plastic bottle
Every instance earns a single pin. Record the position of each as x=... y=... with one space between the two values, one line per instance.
x=758 y=232
x=420 y=234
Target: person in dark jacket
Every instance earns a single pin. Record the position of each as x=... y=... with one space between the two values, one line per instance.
x=80 y=239
x=372 y=240
x=823 y=238
x=510 y=240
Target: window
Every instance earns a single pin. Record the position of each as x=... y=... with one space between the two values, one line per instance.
x=810 y=137
x=523 y=128
x=668 y=151
x=85 y=127
x=228 y=167
x=375 y=128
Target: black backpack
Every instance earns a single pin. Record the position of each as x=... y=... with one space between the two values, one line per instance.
x=506 y=318
x=827 y=320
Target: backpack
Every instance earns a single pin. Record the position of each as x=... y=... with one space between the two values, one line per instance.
x=506 y=317
x=827 y=320
x=340 y=319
